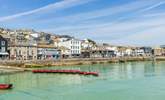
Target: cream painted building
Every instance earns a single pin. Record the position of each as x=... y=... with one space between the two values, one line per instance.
x=22 y=46
x=159 y=52
x=23 y=52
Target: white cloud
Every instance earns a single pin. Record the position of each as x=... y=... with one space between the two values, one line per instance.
x=139 y=30
x=116 y=26
x=142 y=27
x=153 y=36
x=133 y=6
x=55 y=6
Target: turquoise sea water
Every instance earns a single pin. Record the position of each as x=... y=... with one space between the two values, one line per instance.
x=124 y=81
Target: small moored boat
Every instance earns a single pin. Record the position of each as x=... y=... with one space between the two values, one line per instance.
x=66 y=72
x=6 y=86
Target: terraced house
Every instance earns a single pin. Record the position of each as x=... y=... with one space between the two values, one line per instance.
x=23 y=47
x=3 y=48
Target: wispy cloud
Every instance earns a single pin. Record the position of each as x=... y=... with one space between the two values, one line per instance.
x=134 y=6
x=129 y=31
x=55 y=6
x=125 y=23
x=153 y=6
x=150 y=37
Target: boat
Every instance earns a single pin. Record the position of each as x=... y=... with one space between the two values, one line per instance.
x=66 y=72
x=90 y=73
x=5 y=86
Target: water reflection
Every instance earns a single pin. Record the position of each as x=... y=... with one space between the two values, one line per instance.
x=116 y=71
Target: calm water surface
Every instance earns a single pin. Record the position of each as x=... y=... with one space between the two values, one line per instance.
x=124 y=81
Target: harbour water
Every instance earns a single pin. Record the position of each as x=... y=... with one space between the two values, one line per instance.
x=118 y=81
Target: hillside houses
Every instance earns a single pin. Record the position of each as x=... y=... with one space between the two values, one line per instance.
x=87 y=44
x=26 y=44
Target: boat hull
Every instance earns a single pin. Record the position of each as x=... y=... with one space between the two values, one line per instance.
x=5 y=86
x=66 y=72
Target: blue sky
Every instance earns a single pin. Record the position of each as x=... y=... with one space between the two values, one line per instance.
x=122 y=22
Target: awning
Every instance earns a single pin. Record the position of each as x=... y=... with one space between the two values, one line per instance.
x=4 y=53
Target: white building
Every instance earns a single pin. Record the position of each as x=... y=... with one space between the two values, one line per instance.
x=113 y=48
x=139 y=52
x=65 y=52
x=47 y=52
x=87 y=44
x=120 y=54
x=58 y=41
x=129 y=52
x=73 y=45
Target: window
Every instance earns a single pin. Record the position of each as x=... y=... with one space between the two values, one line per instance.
x=28 y=53
x=3 y=49
x=2 y=42
x=32 y=52
x=19 y=52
